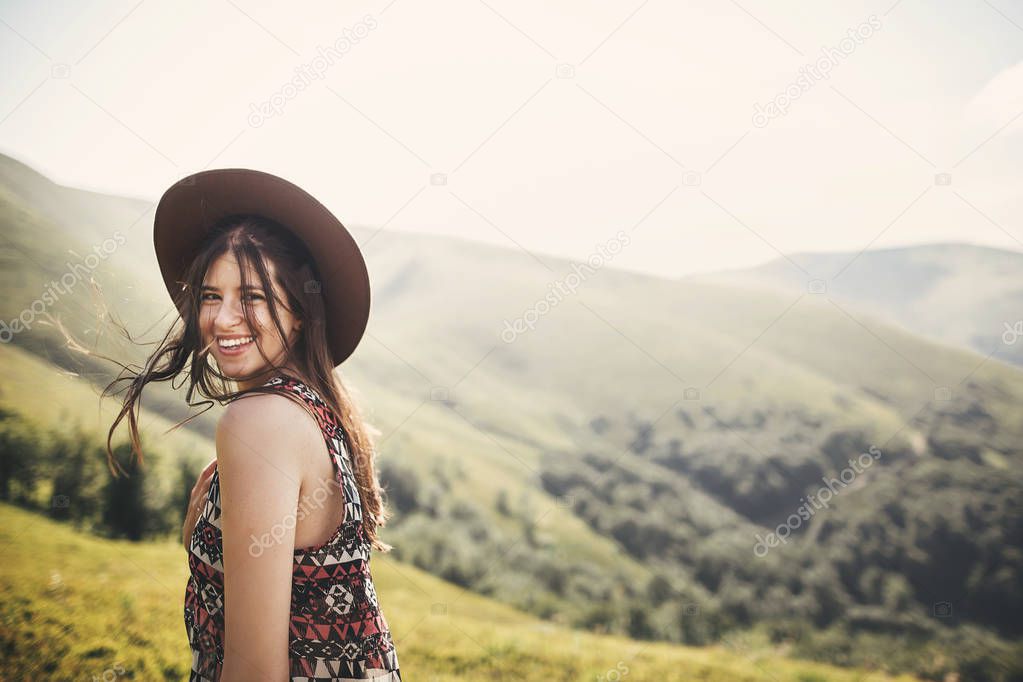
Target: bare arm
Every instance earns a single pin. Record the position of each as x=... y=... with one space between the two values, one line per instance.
x=261 y=454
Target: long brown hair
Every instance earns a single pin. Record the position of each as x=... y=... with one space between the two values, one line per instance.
x=253 y=240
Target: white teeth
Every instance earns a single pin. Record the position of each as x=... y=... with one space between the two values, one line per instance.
x=231 y=343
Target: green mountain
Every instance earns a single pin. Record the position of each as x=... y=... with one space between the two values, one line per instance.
x=619 y=463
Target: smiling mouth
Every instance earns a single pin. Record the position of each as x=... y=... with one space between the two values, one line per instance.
x=232 y=344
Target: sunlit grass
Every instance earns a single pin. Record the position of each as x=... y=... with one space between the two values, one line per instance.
x=75 y=606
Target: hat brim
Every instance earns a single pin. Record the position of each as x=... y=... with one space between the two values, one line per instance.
x=191 y=206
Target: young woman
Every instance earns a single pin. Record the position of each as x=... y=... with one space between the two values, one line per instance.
x=273 y=294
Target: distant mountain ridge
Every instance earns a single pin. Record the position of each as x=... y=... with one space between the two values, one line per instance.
x=967 y=295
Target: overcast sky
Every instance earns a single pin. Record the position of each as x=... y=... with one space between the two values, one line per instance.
x=549 y=126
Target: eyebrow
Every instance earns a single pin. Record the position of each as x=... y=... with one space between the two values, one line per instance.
x=207 y=287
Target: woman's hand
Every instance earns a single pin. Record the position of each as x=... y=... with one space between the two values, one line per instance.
x=197 y=501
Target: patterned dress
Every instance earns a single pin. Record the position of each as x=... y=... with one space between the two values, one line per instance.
x=337 y=630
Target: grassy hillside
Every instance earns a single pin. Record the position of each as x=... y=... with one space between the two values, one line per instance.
x=50 y=397
x=450 y=448
x=75 y=606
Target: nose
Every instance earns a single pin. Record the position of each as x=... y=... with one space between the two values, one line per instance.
x=229 y=316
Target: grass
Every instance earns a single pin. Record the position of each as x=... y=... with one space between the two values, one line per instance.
x=75 y=606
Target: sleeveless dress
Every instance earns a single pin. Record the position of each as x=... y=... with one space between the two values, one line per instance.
x=337 y=631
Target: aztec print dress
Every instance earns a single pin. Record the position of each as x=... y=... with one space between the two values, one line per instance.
x=337 y=630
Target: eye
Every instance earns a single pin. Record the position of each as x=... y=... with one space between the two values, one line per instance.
x=205 y=297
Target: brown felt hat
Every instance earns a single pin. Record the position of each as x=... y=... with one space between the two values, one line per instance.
x=192 y=205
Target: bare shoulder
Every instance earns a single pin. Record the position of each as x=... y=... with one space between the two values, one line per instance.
x=267 y=421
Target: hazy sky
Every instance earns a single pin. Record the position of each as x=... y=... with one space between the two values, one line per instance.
x=549 y=126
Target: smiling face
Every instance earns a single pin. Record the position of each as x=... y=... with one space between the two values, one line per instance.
x=222 y=322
